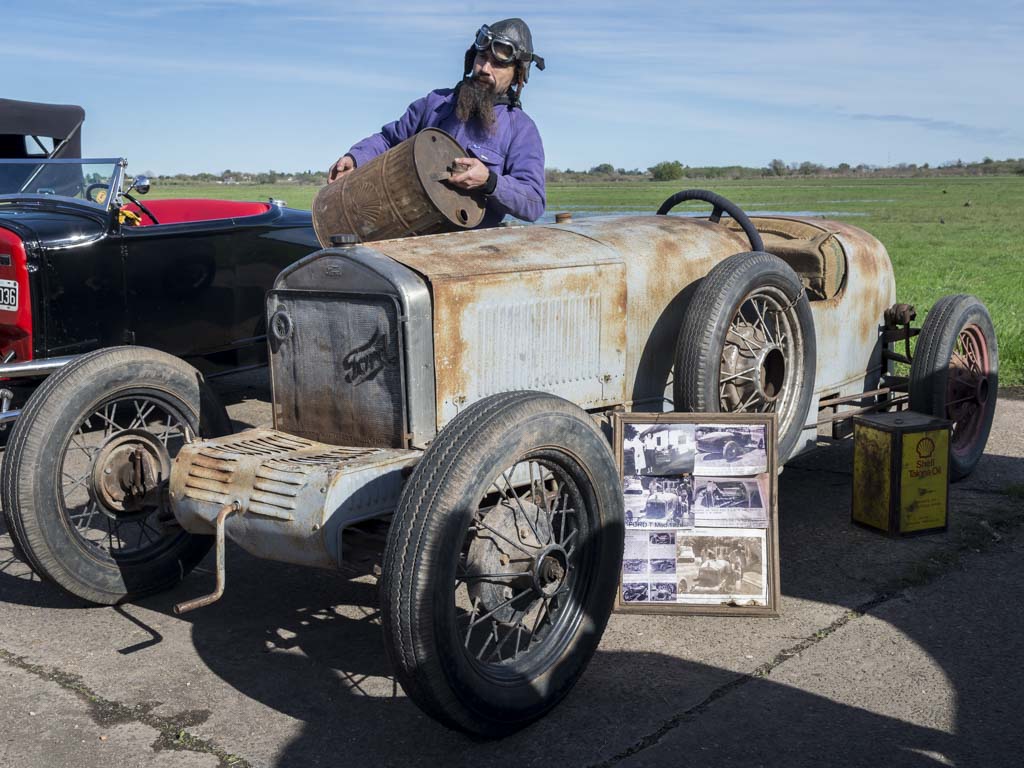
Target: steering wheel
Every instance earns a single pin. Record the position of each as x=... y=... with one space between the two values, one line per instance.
x=721 y=205
x=142 y=208
x=100 y=195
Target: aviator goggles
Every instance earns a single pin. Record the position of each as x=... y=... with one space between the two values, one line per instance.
x=503 y=50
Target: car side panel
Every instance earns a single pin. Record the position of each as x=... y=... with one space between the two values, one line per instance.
x=81 y=297
x=197 y=289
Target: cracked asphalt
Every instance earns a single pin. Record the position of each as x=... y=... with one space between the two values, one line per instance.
x=887 y=652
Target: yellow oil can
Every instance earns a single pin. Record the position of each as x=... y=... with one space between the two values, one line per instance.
x=901 y=472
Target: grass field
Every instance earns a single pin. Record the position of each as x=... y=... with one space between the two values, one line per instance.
x=952 y=235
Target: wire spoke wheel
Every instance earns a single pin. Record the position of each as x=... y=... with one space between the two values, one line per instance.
x=954 y=375
x=114 y=474
x=84 y=479
x=760 y=361
x=520 y=564
x=502 y=562
x=968 y=388
x=747 y=345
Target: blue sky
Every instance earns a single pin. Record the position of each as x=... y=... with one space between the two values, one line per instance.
x=206 y=85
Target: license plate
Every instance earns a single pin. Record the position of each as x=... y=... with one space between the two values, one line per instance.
x=8 y=295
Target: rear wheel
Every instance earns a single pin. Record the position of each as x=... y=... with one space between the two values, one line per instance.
x=955 y=376
x=747 y=345
x=85 y=474
x=502 y=563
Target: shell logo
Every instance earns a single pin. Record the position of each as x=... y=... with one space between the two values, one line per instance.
x=925 y=448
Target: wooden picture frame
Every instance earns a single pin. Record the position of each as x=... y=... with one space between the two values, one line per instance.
x=701 y=498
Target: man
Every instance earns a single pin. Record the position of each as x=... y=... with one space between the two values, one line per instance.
x=484 y=114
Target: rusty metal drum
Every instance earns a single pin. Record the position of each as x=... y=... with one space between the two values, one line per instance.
x=399 y=193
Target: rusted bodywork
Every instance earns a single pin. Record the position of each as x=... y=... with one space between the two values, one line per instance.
x=296 y=494
x=377 y=347
x=591 y=310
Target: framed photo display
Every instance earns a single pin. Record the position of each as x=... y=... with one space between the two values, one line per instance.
x=700 y=496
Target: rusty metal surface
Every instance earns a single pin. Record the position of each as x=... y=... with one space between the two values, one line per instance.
x=218 y=591
x=847 y=325
x=315 y=399
x=400 y=192
x=591 y=310
x=504 y=301
x=295 y=495
x=559 y=331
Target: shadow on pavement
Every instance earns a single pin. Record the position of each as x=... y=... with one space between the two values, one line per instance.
x=307 y=644
x=300 y=655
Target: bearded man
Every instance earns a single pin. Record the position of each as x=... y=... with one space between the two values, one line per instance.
x=484 y=114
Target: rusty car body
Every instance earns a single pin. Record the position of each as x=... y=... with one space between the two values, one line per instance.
x=455 y=390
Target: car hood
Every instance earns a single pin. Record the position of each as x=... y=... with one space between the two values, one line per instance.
x=55 y=227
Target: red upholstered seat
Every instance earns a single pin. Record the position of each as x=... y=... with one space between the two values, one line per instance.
x=178 y=211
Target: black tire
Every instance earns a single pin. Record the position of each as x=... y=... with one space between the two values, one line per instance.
x=955 y=376
x=58 y=516
x=447 y=518
x=725 y=298
x=731 y=451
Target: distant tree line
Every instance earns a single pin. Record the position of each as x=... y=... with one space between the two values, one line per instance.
x=668 y=170
x=245 y=177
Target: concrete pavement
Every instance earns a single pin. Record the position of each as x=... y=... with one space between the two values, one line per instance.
x=897 y=651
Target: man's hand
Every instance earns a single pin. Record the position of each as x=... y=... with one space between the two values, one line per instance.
x=474 y=176
x=344 y=165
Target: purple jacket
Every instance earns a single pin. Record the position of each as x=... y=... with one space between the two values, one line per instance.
x=514 y=151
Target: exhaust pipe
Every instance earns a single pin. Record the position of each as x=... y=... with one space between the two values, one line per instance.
x=200 y=602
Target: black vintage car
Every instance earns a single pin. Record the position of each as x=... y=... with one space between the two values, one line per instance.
x=85 y=264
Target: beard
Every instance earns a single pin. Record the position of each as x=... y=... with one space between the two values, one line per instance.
x=476 y=99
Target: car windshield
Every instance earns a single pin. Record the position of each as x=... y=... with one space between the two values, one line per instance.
x=85 y=181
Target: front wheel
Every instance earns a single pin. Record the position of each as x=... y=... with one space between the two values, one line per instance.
x=85 y=473
x=502 y=563
x=955 y=376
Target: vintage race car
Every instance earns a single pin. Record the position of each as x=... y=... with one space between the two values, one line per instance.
x=84 y=265
x=454 y=392
x=730 y=444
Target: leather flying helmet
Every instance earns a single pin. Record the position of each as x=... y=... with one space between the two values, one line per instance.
x=508 y=41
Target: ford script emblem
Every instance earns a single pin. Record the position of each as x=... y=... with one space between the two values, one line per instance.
x=365 y=362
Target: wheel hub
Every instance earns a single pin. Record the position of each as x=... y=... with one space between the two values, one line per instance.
x=128 y=472
x=549 y=570
x=752 y=366
x=771 y=367
x=493 y=552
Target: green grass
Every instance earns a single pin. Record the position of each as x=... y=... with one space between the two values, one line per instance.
x=938 y=244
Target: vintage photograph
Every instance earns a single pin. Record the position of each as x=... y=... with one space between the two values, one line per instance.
x=634 y=565
x=730 y=502
x=730 y=449
x=700 y=541
x=658 y=502
x=635 y=592
x=722 y=565
x=658 y=449
x=662 y=592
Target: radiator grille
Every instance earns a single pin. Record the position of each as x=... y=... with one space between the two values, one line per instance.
x=538 y=343
x=337 y=368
